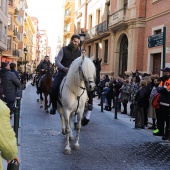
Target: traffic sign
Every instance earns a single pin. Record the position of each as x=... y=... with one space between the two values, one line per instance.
x=155 y=40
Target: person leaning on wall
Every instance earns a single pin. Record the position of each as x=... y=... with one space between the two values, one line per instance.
x=8 y=142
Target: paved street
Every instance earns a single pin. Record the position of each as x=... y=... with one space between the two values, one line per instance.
x=105 y=143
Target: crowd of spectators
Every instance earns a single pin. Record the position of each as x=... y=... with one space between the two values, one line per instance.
x=148 y=96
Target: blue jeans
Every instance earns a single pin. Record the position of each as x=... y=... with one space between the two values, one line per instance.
x=55 y=87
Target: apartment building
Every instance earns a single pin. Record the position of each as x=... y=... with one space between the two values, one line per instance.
x=118 y=31
x=36 y=41
x=3 y=26
x=28 y=33
x=44 y=48
x=69 y=9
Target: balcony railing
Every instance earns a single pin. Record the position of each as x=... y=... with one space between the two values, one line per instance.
x=15 y=53
x=16 y=34
x=118 y=17
x=97 y=30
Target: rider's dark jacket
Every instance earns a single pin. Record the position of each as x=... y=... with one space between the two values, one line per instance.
x=69 y=56
x=43 y=66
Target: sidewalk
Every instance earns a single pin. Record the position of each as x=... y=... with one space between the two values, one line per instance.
x=124 y=118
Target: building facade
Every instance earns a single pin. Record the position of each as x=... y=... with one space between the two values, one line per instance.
x=118 y=31
x=69 y=9
x=3 y=26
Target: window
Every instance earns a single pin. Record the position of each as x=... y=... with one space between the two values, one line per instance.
x=0 y=30
x=98 y=17
x=105 y=51
x=157 y=31
x=97 y=50
x=79 y=3
x=90 y=21
x=125 y=6
x=78 y=27
x=89 y=51
x=9 y=21
x=0 y=3
x=8 y=43
x=4 y=35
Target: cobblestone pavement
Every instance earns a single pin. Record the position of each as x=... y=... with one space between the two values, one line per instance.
x=105 y=143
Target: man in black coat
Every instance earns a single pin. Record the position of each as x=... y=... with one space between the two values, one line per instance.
x=63 y=61
x=42 y=68
x=10 y=83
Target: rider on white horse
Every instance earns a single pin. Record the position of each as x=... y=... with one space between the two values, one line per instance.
x=42 y=67
x=63 y=61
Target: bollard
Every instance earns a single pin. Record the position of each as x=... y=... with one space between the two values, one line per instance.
x=101 y=103
x=16 y=122
x=116 y=102
x=169 y=130
x=18 y=102
x=136 y=117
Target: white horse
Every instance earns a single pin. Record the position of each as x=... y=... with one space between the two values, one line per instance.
x=73 y=96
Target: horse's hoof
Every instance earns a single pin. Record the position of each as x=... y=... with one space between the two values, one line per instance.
x=76 y=147
x=37 y=100
x=63 y=132
x=41 y=106
x=67 y=151
x=47 y=111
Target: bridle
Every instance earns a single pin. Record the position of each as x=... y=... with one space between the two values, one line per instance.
x=86 y=82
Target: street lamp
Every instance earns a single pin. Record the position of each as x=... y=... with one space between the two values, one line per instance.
x=82 y=37
x=26 y=52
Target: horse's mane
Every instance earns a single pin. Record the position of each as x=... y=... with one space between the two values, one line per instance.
x=73 y=79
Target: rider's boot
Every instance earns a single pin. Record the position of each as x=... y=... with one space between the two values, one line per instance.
x=85 y=120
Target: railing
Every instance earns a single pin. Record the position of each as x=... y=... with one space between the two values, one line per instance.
x=98 y=29
x=16 y=34
x=117 y=16
x=15 y=53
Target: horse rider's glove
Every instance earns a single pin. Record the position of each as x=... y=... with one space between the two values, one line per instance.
x=42 y=69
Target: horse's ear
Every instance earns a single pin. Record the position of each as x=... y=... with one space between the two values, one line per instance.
x=100 y=60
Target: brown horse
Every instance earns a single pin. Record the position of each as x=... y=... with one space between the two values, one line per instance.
x=46 y=85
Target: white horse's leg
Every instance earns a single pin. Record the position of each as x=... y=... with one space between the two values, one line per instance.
x=63 y=125
x=71 y=124
x=79 y=117
x=67 y=118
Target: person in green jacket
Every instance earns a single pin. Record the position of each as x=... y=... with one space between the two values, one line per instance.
x=8 y=143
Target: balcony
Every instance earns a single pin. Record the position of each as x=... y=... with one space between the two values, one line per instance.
x=118 y=19
x=17 y=17
x=67 y=15
x=99 y=31
x=16 y=36
x=15 y=53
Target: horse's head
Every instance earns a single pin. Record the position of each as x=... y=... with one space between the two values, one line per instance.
x=50 y=71
x=88 y=73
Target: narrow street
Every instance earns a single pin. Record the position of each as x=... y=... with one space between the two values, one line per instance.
x=105 y=143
